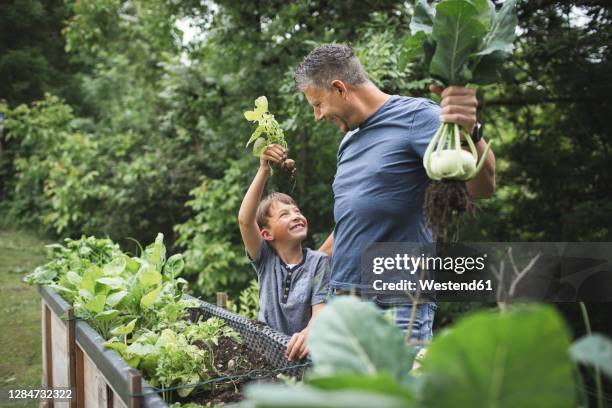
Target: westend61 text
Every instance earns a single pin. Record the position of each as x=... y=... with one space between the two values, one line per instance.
x=431 y=285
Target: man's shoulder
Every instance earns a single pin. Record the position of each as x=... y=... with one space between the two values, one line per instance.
x=417 y=103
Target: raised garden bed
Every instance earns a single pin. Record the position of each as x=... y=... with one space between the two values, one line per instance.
x=74 y=356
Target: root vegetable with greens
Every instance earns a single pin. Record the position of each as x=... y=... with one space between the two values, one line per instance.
x=461 y=42
x=268 y=132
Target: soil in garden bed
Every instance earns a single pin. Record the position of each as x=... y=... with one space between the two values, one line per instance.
x=231 y=359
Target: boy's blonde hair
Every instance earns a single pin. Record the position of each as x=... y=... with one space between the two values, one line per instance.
x=263 y=210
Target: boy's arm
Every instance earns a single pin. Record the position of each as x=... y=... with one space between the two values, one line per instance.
x=296 y=349
x=248 y=209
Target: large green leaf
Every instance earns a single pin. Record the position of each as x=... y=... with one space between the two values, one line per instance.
x=114 y=298
x=74 y=278
x=353 y=337
x=150 y=298
x=174 y=266
x=515 y=359
x=594 y=350
x=96 y=304
x=125 y=328
x=486 y=11
x=90 y=276
x=500 y=36
x=457 y=31
x=113 y=283
x=276 y=395
x=489 y=69
x=380 y=384
x=155 y=253
x=115 y=267
x=422 y=19
x=149 y=276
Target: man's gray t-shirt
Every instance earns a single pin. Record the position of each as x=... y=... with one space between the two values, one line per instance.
x=286 y=295
x=380 y=183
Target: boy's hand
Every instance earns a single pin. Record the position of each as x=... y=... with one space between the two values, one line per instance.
x=296 y=349
x=273 y=154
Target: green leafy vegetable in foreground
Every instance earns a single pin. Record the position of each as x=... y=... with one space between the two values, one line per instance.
x=485 y=360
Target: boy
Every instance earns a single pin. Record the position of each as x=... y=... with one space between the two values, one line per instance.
x=292 y=280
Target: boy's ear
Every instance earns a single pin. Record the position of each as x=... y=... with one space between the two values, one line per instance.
x=266 y=235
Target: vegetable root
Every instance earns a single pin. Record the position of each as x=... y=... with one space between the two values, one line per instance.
x=447 y=203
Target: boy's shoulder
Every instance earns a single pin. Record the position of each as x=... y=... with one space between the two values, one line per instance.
x=316 y=255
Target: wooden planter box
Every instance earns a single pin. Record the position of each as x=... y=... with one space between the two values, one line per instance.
x=74 y=356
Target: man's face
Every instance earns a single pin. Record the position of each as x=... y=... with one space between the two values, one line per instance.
x=286 y=222
x=331 y=105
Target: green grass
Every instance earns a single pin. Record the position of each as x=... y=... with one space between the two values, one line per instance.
x=20 y=339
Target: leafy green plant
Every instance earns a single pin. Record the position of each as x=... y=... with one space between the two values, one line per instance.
x=137 y=304
x=518 y=358
x=461 y=42
x=267 y=132
x=248 y=302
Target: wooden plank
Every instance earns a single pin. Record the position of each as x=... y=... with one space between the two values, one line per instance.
x=117 y=401
x=71 y=349
x=59 y=352
x=80 y=386
x=110 y=401
x=222 y=299
x=90 y=383
x=47 y=380
x=135 y=385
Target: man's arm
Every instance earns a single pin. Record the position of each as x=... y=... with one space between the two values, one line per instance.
x=459 y=106
x=248 y=209
x=328 y=245
x=483 y=185
x=296 y=349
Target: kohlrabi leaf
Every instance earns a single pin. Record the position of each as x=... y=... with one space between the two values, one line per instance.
x=502 y=31
x=458 y=32
x=489 y=68
x=422 y=19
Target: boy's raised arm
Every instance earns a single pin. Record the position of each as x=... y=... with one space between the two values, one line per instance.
x=248 y=209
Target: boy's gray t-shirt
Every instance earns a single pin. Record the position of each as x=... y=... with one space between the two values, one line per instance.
x=286 y=295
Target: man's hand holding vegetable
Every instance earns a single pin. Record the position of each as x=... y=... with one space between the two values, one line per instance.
x=459 y=105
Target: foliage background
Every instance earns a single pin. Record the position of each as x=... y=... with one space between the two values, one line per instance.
x=124 y=118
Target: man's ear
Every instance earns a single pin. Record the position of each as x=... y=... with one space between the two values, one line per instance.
x=266 y=235
x=339 y=87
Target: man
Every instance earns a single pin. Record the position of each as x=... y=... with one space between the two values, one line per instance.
x=380 y=181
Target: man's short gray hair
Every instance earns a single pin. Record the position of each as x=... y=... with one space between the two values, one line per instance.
x=327 y=63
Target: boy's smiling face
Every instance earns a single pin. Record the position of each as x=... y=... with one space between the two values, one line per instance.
x=285 y=223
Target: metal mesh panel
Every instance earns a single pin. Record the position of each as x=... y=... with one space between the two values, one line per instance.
x=258 y=337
